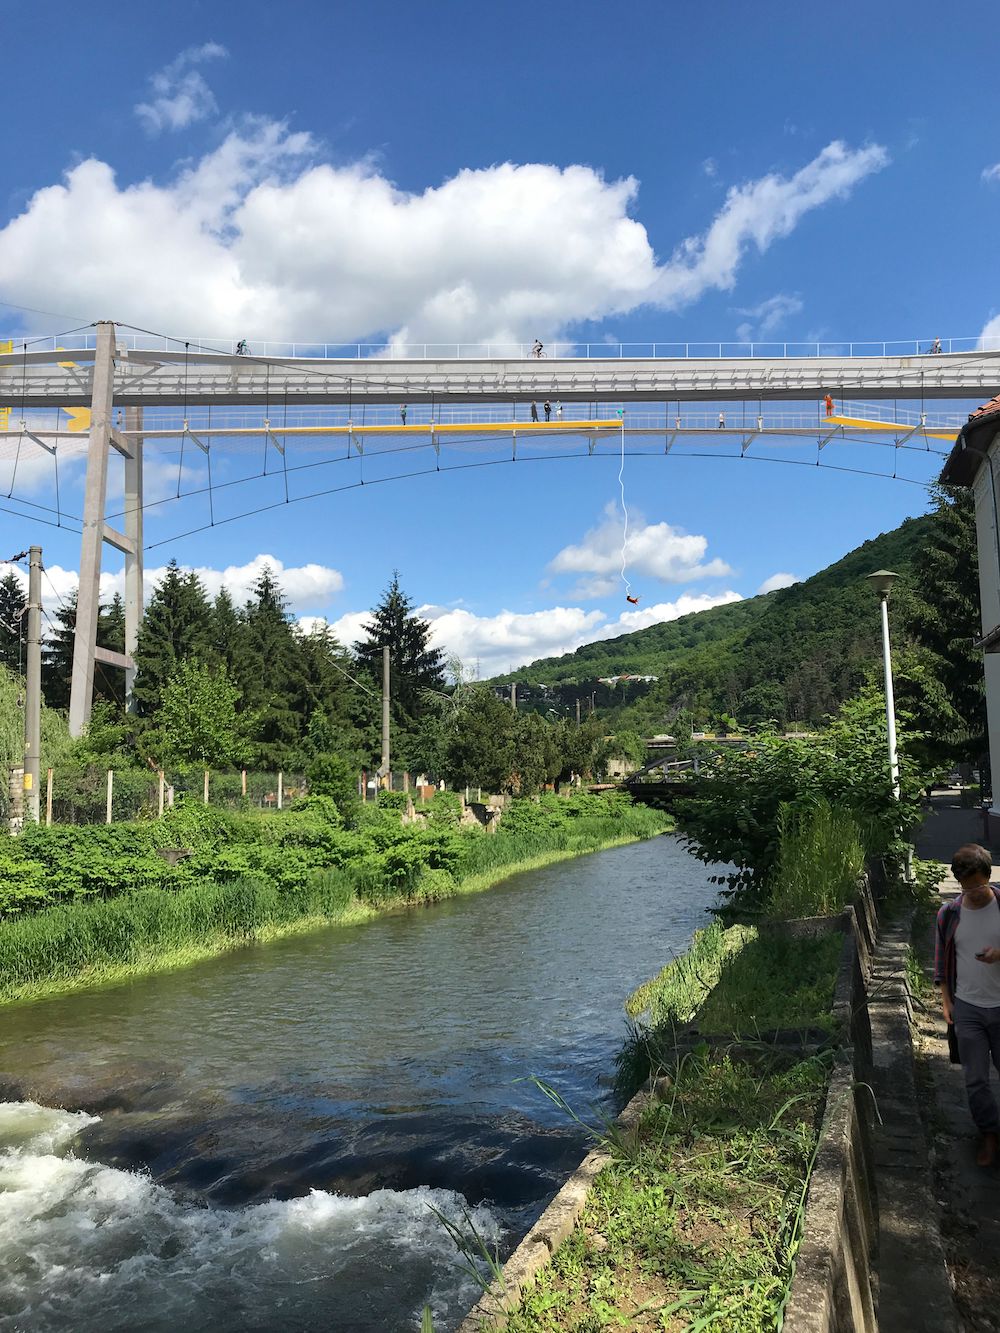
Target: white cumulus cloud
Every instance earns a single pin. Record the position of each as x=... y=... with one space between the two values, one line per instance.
x=307 y=587
x=262 y=238
x=179 y=95
x=777 y=581
x=655 y=549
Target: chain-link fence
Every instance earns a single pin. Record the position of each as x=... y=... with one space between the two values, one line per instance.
x=96 y=795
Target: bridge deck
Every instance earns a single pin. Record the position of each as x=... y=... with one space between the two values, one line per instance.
x=142 y=378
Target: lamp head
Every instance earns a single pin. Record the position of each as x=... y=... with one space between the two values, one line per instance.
x=882 y=581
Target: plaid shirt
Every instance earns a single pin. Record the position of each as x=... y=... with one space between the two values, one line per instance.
x=945 y=957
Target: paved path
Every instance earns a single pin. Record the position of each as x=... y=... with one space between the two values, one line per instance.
x=915 y=1293
x=969 y=1196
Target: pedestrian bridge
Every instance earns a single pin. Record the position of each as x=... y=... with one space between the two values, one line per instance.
x=44 y=378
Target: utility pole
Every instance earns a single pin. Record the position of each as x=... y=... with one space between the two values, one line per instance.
x=33 y=686
x=577 y=710
x=513 y=695
x=384 y=767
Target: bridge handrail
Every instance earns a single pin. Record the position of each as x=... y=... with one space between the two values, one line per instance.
x=658 y=350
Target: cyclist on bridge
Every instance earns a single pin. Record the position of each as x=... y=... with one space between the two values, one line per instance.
x=536 y=350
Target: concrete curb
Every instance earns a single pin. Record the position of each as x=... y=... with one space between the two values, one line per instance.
x=548 y=1233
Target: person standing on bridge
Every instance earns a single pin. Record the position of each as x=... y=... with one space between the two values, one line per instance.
x=534 y=410
x=967 y=969
x=828 y=404
x=558 y=411
x=402 y=413
x=547 y=409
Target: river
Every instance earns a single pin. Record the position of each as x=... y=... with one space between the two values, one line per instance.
x=254 y=1142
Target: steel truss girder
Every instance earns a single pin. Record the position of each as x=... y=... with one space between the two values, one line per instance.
x=172 y=379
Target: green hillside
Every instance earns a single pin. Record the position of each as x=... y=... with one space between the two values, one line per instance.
x=792 y=655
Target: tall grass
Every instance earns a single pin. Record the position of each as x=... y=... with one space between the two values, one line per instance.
x=61 y=943
x=820 y=861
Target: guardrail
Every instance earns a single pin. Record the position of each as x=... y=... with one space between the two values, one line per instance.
x=501 y=351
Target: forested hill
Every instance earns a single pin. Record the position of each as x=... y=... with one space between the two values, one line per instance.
x=792 y=655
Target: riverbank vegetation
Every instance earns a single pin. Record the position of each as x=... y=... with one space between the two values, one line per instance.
x=89 y=903
x=695 y=1222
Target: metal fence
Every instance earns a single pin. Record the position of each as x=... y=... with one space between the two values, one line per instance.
x=557 y=350
x=97 y=795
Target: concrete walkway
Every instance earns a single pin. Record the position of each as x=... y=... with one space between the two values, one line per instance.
x=915 y=1293
x=969 y=1197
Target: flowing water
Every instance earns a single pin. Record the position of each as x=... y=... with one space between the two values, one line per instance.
x=255 y=1142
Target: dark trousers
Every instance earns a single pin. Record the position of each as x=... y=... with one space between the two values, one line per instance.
x=978 y=1032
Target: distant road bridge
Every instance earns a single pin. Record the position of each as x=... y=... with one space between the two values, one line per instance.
x=110 y=369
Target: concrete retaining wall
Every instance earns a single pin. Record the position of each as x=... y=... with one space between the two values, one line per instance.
x=832 y=1291
x=548 y=1233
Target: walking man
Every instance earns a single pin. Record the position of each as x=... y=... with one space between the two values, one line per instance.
x=534 y=410
x=402 y=413
x=547 y=409
x=722 y=421
x=966 y=958
x=558 y=411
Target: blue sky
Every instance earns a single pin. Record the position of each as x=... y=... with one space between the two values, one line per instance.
x=454 y=171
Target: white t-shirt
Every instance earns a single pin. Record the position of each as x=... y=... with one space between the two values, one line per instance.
x=978 y=928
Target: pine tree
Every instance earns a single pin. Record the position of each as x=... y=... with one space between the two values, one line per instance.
x=270 y=674
x=176 y=627
x=227 y=633
x=13 y=626
x=414 y=666
x=57 y=653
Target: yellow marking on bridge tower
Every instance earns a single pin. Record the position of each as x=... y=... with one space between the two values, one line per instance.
x=79 y=417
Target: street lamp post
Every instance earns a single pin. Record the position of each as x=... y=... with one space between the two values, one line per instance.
x=882 y=581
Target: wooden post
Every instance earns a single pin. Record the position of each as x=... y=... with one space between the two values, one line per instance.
x=48 y=800
x=281 y=788
x=364 y=784
x=406 y=780
x=111 y=794
x=159 y=796
x=243 y=783
x=204 y=798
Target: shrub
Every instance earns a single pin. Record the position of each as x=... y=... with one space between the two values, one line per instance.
x=820 y=861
